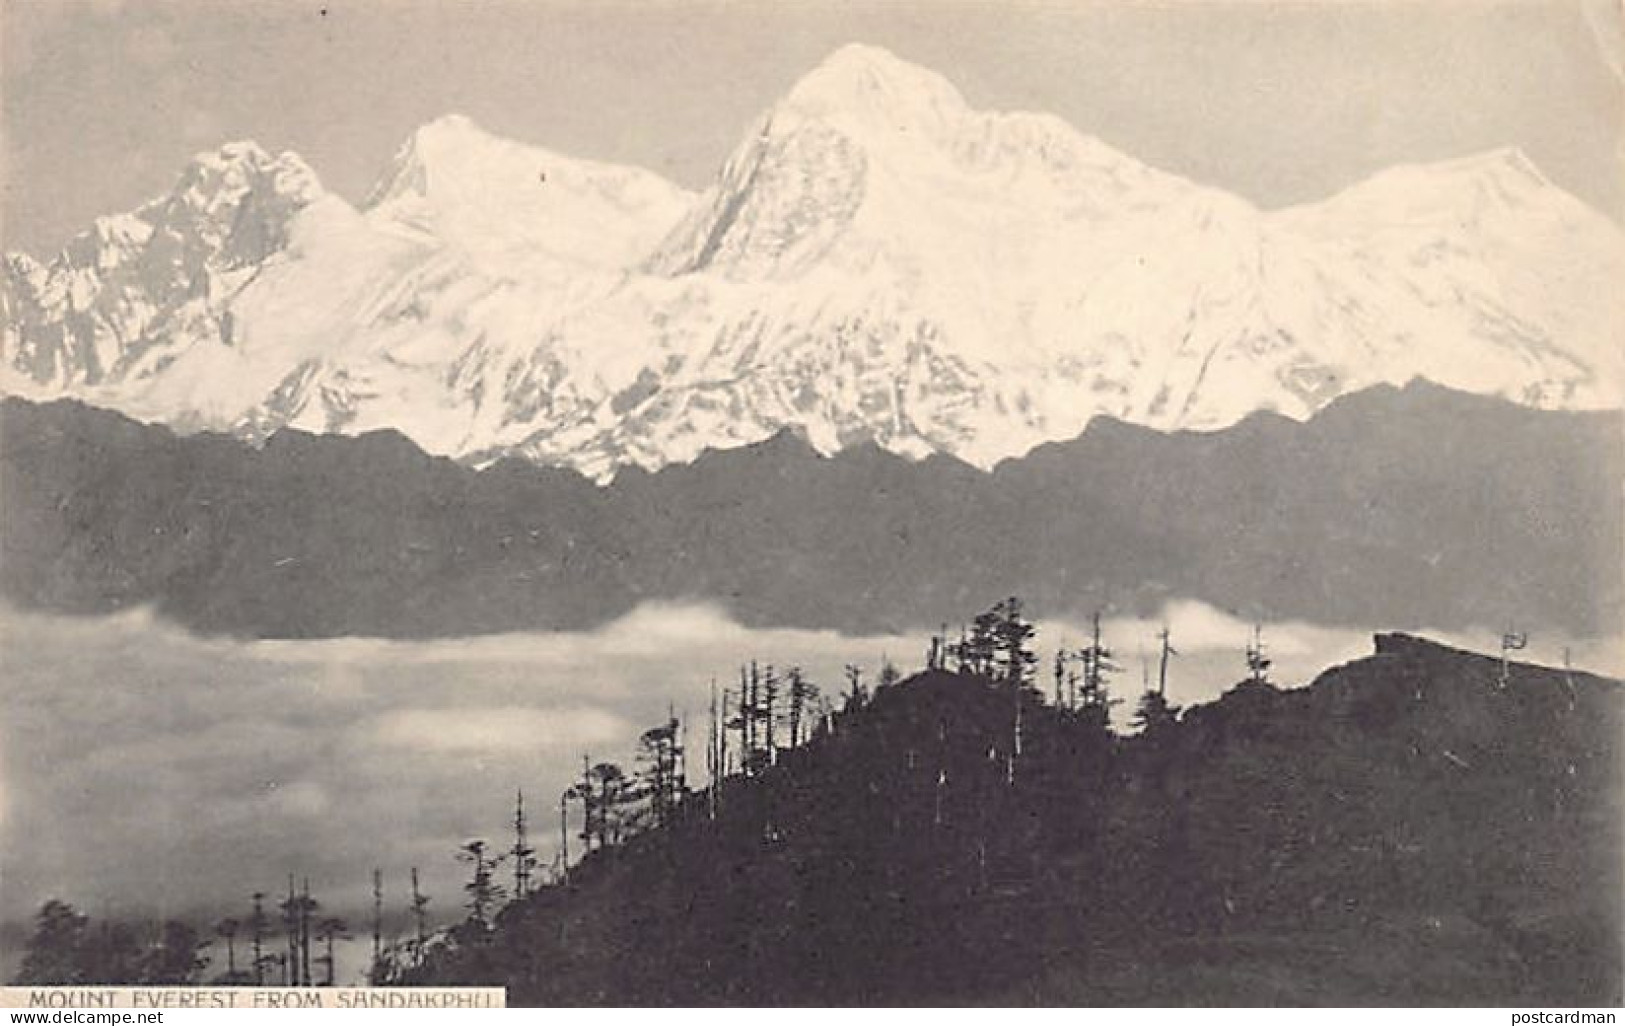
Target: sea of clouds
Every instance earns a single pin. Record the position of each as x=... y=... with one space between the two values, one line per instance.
x=145 y=769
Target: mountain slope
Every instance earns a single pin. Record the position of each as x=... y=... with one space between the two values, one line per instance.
x=1402 y=831
x=126 y=294
x=347 y=320
x=876 y=261
x=516 y=211
x=1418 y=506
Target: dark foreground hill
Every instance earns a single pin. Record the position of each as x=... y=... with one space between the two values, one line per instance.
x=1415 y=505
x=1403 y=831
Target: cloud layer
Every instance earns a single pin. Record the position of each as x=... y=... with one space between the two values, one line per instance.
x=143 y=768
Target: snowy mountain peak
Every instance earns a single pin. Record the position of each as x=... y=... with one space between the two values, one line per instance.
x=124 y=295
x=244 y=165
x=516 y=210
x=861 y=86
x=433 y=156
x=1491 y=184
x=452 y=128
x=853 y=166
x=877 y=262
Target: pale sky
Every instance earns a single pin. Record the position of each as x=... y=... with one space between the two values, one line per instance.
x=105 y=100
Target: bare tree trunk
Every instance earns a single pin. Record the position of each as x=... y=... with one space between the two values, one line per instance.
x=680 y=760
x=713 y=761
x=587 y=802
x=747 y=718
x=420 y=906
x=564 y=835
x=796 y=698
x=304 y=932
x=377 y=923
x=1015 y=747
x=770 y=688
x=290 y=920
x=258 y=926
x=1162 y=663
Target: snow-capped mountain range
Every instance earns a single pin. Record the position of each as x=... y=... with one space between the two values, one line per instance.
x=876 y=260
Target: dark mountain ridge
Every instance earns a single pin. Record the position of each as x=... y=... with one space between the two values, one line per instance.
x=1417 y=505
x=1411 y=828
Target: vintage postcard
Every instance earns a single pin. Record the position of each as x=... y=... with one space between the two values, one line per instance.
x=736 y=503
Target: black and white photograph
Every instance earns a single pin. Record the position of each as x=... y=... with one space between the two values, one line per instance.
x=901 y=503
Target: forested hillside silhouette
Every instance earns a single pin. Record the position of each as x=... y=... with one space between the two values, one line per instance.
x=1421 y=826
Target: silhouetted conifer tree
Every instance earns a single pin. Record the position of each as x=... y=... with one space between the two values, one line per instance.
x=586 y=792
x=258 y=922
x=1511 y=641
x=290 y=908
x=522 y=854
x=377 y=926
x=1258 y=664
x=227 y=929
x=658 y=750
x=1010 y=656
x=803 y=703
x=420 y=919
x=484 y=893
x=1094 y=694
x=56 y=949
x=981 y=647
x=936 y=652
x=889 y=674
x=327 y=931
x=857 y=694
x=1154 y=713
x=307 y=910
x=604 y=793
